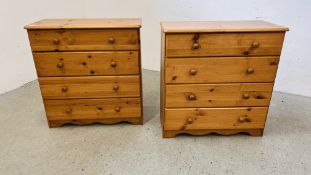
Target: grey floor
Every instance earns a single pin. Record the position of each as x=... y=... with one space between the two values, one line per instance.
x=28 y=146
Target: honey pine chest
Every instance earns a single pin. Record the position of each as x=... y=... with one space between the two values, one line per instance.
x=88 y=69
x=218 y=77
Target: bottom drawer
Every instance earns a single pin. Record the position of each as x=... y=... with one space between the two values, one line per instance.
x=215 y=118
x=109 y=108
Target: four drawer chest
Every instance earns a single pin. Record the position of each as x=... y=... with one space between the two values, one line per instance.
x=89 y=70
x=218 y=77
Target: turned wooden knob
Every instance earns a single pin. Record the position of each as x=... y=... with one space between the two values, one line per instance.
x=115 y=87
x=255 y=44
x=68 y=110
x=244 y=119
x=192 y=97
x=195 y=46
x=117 y=109
x=64 y=89
x=245 y=96
x=60 y=65
x=111 y=40
x=250 y=71
x=193 y=72
x=113 y=64
x=189 y=121
x=56 y=41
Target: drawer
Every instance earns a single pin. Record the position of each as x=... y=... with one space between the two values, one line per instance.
x=218 y=95
x=91 y=39
x=221 y=69
x=89 y=87
x=224 y=44
x=93 y=108
x=86 y=63
x=215 y=118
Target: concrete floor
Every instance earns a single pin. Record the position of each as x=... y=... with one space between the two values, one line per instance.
x=28 y=146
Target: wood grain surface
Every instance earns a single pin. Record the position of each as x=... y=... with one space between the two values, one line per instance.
x=86 y=63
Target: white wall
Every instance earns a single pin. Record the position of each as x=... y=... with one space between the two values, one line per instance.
x=294 y=75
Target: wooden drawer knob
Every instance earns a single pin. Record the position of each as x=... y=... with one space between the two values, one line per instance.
x=255 y=45
x=68 y=110
x=192 y=97
x=56 y=41
x=115 y=87
x=189 y=121
x=245 y=96
x=117 y=109
x=250 y=71
x=60 y=65
x=111 y=40
x=64 y=89
x=113 y=64
x=244 y=119
x=193 y=72
x=195 y=46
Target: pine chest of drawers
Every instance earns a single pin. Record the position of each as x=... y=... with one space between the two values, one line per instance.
x=88 y=69
x=218 y=77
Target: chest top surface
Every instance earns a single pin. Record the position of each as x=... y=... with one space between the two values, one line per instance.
x=98 y=23
x=220 y=26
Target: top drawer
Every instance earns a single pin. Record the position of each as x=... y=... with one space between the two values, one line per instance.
x=89 y=39
x=224 y=44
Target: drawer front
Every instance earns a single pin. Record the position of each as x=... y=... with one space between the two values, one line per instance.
x=224 y=44
x=93 y=108
x=86 y=63
x=221 y=69
x=215 y=118
x=218 y=95
x=89 y=87
x=92 y=39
